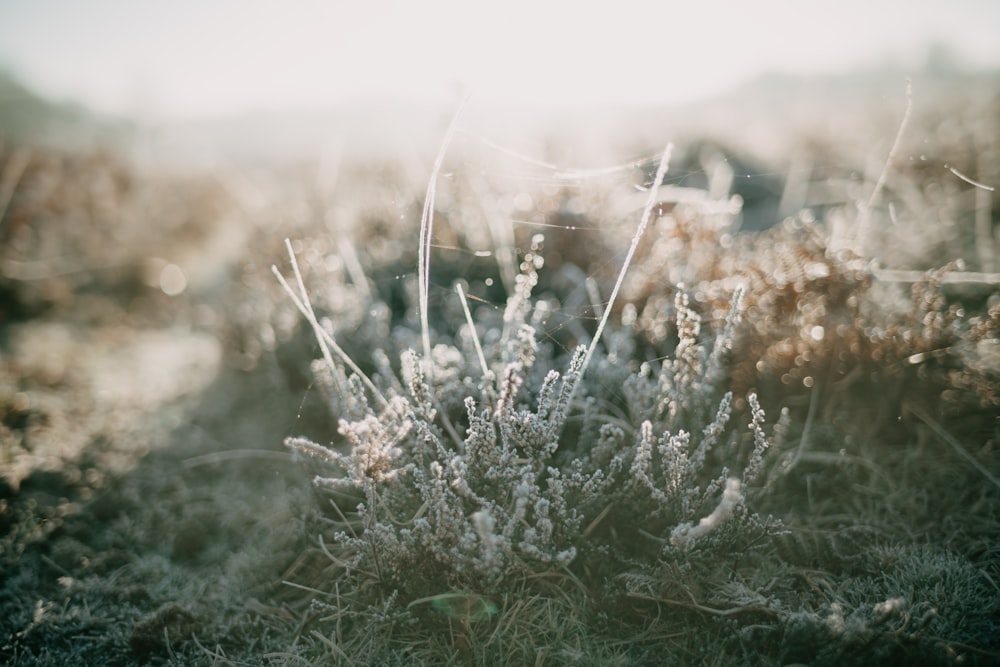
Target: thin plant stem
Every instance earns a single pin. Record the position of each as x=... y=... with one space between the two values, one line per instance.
x=865 y=218
x=472 y=329
x=647 y=212
x=426 y=227
x=325 y=340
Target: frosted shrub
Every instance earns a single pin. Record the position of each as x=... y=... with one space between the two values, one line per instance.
x=536 y=470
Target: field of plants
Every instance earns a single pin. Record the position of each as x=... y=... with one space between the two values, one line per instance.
x=729 y=394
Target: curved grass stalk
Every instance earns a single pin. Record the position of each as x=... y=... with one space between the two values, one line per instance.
x=426 y=227
x=325 y=340
x=647 y=212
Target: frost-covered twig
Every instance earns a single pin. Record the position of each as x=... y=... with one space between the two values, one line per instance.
x=684 y=534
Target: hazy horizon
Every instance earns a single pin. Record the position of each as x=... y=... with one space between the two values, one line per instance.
x=197 y=61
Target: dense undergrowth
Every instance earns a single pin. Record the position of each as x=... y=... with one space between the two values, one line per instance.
x=599 y=485
x=780 y=449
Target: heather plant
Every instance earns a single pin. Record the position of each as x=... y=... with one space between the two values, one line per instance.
x=820 y=313
x=493 y=463
x=499 y=482
x=555 y=468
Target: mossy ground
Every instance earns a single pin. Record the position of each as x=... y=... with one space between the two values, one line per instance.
x=149 y=513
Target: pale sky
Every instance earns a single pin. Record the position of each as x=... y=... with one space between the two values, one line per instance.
x=204 y=58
